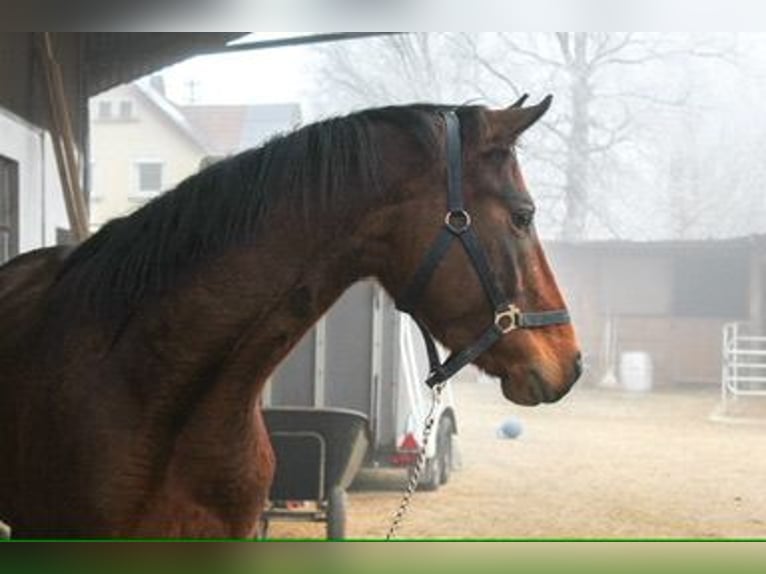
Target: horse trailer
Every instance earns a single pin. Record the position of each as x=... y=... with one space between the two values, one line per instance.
x=366 y=357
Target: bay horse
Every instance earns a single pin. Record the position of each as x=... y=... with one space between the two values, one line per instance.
x=131 y=366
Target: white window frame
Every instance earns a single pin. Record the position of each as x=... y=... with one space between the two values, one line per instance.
x=95 y=192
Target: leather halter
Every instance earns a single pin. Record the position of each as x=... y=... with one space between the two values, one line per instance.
x=457 y=224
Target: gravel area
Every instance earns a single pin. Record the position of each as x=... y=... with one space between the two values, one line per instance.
x=597 y=464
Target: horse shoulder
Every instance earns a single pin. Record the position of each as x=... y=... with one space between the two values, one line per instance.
x=33 y=271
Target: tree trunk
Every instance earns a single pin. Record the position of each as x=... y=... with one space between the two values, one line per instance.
x=576 y=172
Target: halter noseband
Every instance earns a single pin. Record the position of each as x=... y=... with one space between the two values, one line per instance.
x=457 y=224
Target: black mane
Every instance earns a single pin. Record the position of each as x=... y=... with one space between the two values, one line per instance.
x=146 y=252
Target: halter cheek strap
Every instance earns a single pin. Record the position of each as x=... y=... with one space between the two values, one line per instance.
x=457 y=224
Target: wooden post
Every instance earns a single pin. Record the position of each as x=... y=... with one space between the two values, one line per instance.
x=63 y=140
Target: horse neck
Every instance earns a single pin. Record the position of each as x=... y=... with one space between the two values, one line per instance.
x=246 y=310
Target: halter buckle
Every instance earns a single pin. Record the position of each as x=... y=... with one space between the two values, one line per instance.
x=508 y=319
x=457 y=221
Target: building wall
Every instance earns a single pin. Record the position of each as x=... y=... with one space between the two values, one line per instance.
x=627 y=300
x=117 y=145
x=683 y=350
x=758 y=289
x=88 y=62
x=24 y=119
x=41 y=204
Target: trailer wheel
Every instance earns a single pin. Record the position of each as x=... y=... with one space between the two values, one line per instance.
x=336 y=514
x=444 y=450
x=430 y=478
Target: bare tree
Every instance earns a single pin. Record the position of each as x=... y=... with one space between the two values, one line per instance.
x=715 y=175
x=605 y=85
x=393 y=69
x=603 y=102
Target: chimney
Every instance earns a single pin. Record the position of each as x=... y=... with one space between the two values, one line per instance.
x=157 y=83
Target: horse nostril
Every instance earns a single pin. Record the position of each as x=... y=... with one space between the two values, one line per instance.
x=578 y=366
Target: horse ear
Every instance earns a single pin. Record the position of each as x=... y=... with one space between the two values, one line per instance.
x=518 y=103
x=516 y=119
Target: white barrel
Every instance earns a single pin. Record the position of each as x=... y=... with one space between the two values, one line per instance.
x=636 y=371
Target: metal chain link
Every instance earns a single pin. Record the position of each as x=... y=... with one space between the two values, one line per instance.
x=419 y=464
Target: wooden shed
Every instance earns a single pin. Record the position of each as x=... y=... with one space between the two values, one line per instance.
x=667 y=299
x=46 y=80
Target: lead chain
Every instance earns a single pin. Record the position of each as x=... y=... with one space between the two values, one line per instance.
x=419 y=464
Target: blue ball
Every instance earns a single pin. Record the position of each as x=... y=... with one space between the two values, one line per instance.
x=510 y=428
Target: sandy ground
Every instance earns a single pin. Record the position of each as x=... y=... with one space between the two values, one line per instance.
x=598 y=464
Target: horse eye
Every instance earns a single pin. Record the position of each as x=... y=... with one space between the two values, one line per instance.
x=523 y=219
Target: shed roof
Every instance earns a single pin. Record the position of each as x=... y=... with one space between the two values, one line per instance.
x=614 y=246
x=113 y=59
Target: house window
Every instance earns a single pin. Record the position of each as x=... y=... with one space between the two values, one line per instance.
x=9 y=209
x=126 y=110
x=104 y=110
x=149 y=177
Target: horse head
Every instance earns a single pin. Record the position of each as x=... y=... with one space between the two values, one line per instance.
x=470 y=266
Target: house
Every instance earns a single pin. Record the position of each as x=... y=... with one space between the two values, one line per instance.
x=143 y=144
x=229 y=129
x=32 y=212
x=669 y=300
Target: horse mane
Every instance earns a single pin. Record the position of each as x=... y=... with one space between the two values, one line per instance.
x=311 y=168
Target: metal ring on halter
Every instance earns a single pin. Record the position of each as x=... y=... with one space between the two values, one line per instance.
x=508 y=319
x=462 y=216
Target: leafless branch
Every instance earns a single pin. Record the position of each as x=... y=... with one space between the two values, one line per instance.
x=532 y=55
x=493 y=70
x=604 y=52
x=677 y=101
x=553 y=129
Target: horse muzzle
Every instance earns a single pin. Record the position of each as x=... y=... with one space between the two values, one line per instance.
x=529 y=387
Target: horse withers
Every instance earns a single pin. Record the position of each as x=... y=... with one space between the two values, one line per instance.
x=131 y=368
